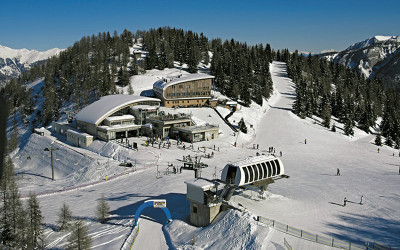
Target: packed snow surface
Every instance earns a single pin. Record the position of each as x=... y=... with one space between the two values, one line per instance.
x=311 y=199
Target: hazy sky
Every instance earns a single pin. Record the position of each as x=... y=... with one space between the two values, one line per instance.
x=295 y=24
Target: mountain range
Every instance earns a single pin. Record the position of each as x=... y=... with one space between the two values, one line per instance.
x=15 y=61
x=378 y=57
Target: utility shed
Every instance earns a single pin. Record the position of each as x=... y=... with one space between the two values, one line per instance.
x=204 y=205
x=78 y=138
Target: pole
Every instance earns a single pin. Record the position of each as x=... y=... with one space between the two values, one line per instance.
x=52 y=166
x=51 y=149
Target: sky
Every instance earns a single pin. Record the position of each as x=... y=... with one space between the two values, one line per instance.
x=305 y=25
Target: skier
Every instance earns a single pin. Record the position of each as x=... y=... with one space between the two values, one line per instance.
x=280 y=153
x=305 y=141
x=257 y=146
x=361 y=200
x=338 y=172
x=344 y=201
x=378 y=150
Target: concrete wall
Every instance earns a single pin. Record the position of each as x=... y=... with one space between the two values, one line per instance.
x=200 y=215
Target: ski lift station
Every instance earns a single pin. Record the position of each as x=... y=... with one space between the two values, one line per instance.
x=206 y=201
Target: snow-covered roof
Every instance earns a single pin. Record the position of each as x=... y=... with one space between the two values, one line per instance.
x=107 y=105
x=145 y=107
x=201 y=183
x=120 y=117
x=161 y=84
x=253 y=159
x=79 y=133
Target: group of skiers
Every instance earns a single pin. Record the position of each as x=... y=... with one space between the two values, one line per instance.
x=345 y=200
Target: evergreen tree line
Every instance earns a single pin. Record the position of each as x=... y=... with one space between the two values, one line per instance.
x=241 y=71
x=21 y=225
x=326 y=89
x=166 y=45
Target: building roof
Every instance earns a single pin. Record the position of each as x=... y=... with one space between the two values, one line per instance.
x=252 y=160
x=161 y=84
x=107 y=105
x=79 y=133
x=120 y=117
x=200 y=128
x=201 y=183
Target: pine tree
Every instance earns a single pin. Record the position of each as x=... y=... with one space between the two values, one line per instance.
x=389 y=141
x=12 y=215
x=35 y=222
x=130 y=89
x=64 y=218
x=242 y=126
x=102 y=210
x=378 y=140
x=348 y=127
x=79 y=239
x=13 y=143
x=333 y=129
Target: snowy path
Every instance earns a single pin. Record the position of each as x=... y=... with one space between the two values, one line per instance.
x=157 y=239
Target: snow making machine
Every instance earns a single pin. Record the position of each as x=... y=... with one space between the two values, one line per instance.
x=259 y=171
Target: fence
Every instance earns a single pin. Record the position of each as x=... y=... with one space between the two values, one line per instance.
x=319 y=238
x=287 y=245
x=130 y=240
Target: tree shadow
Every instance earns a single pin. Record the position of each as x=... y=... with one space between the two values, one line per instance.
x=287 y=109
x=359 y=228
x=32 y=174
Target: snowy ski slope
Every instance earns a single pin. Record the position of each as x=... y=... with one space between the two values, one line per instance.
x=311 y=199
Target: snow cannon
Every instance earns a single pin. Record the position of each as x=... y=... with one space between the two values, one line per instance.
x=259 y=171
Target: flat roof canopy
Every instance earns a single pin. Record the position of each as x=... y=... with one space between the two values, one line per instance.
x=96 y=112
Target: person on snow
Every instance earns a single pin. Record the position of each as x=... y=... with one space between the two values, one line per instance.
x=361 y=200
x=338 y=172
x=344 y=201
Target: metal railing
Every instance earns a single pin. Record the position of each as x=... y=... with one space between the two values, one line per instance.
x=319 y=238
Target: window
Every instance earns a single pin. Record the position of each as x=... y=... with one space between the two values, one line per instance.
x=255 y=172
x=181 y=86
x=246 y=175
x=273 y=168
x=188 y=86
x=278 y=167
x=194 y=209
x=265 y=170
x=251 y=173
x=269 y=169
x=260 y=171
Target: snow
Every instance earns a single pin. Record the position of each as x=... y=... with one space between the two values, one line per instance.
x=27 y=56
x=372 y=40
x=179 y=79
x=99 y=110
x=311 y=199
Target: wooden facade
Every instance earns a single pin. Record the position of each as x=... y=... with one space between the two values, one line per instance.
x=184 y=93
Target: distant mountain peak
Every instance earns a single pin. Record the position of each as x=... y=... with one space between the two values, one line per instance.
x=373 y=40
x=378 y=56
x=15 y=61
